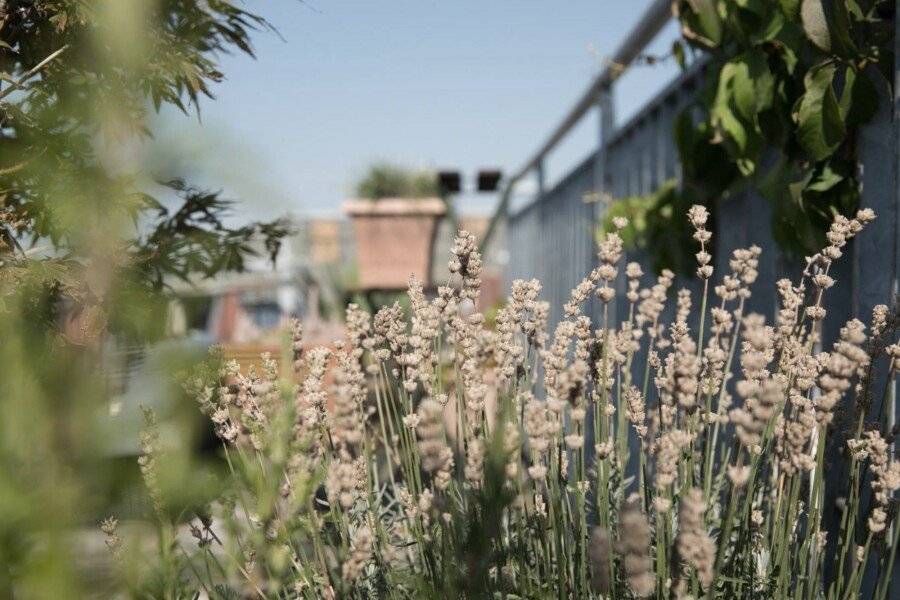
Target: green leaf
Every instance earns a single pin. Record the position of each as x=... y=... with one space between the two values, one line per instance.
x=745 y=87
x=845 y=102
x=746 y=166
x=820 y=128
x=762 y=80
x=720 y=109
x=791 y=44
x=782 y=186
x=724 y=119
x=740 y=86
x=839 y=29
x=700 y=22
x=853 y=8
x=705 y=163
x=825 y=180
x=791 y=8
x=758 y=20
x=859 y=100
x=770 y=27
x=678 y=53
x=812 y=14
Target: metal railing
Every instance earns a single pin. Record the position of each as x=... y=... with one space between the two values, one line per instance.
x=553 y=237
x=598 y=95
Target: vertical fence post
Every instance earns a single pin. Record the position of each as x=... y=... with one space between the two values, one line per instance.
x=541 y=180
x=895 y=198
x=606 y=122
x=540 y=244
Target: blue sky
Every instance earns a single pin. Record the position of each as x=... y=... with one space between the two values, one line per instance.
x=463 y=84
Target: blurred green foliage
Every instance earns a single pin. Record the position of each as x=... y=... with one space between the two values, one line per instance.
x=88 y=241
x=391 y=181
x=71 y=126
x=656 y=225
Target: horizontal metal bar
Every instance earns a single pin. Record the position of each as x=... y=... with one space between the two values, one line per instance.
x=657 y=15
x=585 y=163
x=692 y=74
x=652 y=21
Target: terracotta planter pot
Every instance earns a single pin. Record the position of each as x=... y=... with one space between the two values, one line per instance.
x=394 y=239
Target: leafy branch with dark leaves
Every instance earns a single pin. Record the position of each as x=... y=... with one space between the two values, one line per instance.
x=194 y=239
x=790 y=84
x=67 y=117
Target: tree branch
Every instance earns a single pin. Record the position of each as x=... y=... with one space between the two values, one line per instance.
x=19 y=83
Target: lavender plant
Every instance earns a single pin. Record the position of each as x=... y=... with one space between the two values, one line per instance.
x=427 y=455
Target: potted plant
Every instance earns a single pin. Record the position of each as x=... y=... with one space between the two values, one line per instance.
x=394 y=218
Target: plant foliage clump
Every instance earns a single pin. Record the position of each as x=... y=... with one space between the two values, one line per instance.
x=790 y=84
x=390 y=181
x=653 y=226
x=88 y=241
x=82 y=79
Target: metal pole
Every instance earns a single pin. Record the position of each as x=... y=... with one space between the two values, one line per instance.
x=541 y=180
x=606 y=121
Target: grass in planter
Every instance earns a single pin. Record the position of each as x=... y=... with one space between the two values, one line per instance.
x=447 y=459
x=391 y=181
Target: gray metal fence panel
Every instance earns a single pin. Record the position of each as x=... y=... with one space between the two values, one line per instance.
x=553 y=237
